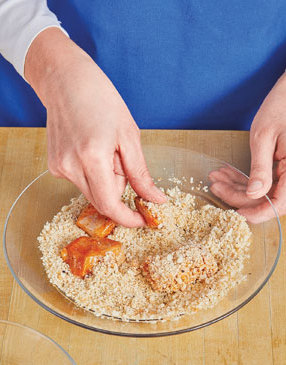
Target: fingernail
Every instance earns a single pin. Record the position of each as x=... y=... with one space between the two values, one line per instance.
x=254 y=186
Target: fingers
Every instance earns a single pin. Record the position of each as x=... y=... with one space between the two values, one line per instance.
x=120 y=177
x=96 y=179
x=136 y=170
x=255 y=211
x=234 y=175
x=262 y=147
x=81 y=183
x=228 y=175
x=121 y=183
x=281 y=168
x=230 y=185
x=118 y=168
x=264 y=211
x=258 y=213
x=233 y=194
x=73 y=172
x=218 y=175
x=279 y=195
x=106 y=198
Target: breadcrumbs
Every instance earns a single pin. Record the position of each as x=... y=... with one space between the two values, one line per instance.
x=213 y=240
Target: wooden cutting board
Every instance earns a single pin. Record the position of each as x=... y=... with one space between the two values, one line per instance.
x=254 y=335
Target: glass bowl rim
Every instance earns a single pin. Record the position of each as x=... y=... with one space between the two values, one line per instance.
x=40 y=334
x=143 y=335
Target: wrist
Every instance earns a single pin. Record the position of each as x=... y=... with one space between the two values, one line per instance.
x=49 y=57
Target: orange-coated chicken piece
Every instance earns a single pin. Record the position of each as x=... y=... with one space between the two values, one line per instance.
x=81 y=253
x=150 y=220
x=93 y=223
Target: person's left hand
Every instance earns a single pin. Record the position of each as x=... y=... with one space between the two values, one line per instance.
x=268 y=163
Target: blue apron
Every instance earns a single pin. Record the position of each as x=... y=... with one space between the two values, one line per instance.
x=183 y=64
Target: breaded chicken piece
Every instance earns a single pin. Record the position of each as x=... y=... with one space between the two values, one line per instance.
x=178 y=270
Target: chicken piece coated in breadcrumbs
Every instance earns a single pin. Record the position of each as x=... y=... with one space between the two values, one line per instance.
x=149 y=218
x=178 y=270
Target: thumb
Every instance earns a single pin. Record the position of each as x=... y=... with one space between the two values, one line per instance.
x=262 y=151
x=137 y=172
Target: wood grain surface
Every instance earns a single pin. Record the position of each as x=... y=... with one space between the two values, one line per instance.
x=254 y=335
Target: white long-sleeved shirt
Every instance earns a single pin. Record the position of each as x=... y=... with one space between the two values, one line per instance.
x=20 y=23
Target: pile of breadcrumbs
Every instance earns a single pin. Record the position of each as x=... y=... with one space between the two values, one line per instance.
x=124 y=292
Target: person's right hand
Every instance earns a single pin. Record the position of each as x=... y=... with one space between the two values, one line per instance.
x=93 y=140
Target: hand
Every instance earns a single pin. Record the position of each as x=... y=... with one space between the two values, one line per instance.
x=93 y=140
x=230 y=185
x=268 y=163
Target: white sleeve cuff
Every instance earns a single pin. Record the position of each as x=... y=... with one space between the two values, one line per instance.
x=20 y=23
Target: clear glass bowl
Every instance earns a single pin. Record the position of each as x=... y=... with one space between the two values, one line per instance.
x=20 y=345
x=44 y=197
